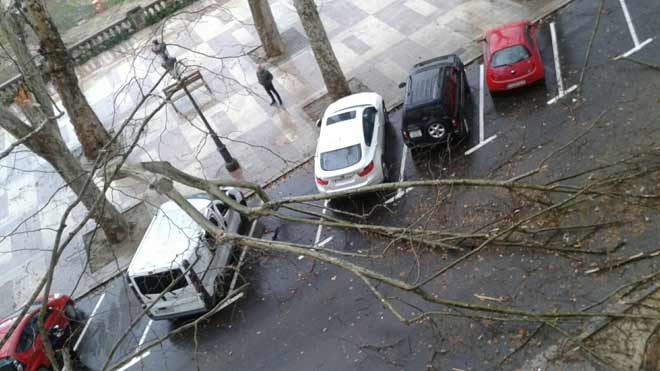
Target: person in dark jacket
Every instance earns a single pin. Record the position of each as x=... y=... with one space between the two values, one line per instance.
x=266 y=80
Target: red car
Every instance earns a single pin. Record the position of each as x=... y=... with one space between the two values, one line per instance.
x=24 y=350
x=512 y=57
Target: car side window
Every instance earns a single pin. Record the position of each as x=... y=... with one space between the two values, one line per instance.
x=368 y=123
x=30 y=332
x=528 y=35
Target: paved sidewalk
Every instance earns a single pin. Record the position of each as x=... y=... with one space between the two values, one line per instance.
x=376 y=41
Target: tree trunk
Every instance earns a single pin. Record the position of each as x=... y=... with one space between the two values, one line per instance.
x=89 y=130
x=264 y=22
x=48 y=144
x=334 y=78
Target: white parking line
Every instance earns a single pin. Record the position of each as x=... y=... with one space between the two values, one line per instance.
x=560 y=82
x=89 y=320
x=633 y=34
x=482 y=140
x=144 y=334
x=135 y=360
x=402 y=168
x=320 y=228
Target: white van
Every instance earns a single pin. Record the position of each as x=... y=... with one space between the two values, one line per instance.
x=178 y=258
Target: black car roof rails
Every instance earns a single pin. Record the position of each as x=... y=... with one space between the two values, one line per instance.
x=440 y=60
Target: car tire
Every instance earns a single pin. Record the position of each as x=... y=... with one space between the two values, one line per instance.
x=244 y=219
x=385 y=170
x=437 y=130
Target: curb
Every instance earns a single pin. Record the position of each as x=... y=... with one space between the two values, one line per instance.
x=471 y=58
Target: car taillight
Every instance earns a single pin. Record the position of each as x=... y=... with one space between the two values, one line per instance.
x=454 y=123
x=405 y=135
x=321 y=182
x=367 y=169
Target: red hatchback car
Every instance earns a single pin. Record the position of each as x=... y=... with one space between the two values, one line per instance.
x=512 y=57
x=24 y=350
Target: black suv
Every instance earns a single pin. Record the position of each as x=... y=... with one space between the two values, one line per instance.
x=434 y=108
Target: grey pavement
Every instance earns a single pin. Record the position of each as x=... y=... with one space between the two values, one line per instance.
x=376 y=41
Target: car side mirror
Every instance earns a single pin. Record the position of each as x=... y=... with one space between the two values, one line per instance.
x=402 y=85
x=318 y=123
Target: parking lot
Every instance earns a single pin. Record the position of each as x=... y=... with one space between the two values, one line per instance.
x=304 y=315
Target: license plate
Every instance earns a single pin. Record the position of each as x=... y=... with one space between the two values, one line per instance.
x=415 y=133
x=516 y=84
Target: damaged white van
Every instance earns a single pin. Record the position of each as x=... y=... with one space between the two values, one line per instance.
x=178 y=265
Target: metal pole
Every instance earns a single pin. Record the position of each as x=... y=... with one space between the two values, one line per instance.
x=230 y=163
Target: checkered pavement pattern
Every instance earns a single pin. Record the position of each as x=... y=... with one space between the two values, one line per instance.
x=376 y=41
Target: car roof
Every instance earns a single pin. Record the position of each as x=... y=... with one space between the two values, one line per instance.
x=170 y=238
x=507 y=35
x=348 y=132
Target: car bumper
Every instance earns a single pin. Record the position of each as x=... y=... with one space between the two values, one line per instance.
x=497 y=86
x=175 y=315
x=375 y=178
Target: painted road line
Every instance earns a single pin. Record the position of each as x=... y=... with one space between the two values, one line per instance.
x=400 y=193
x=144 y=334
x=319 y=230
x=633 y=33
x=402 y=168
x=482 y=134
x=324 y=242
x=89 y=320
x=135 y=360
x=560 y=83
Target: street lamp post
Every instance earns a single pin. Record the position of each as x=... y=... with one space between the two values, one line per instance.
x=231 y=164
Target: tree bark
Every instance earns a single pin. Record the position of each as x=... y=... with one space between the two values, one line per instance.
x=334 y=78
x=270 y=37
x=89 y=129
x=48 y=144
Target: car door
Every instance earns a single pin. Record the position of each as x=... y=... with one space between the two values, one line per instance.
x=29 y=344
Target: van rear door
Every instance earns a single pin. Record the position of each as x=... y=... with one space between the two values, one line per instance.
x=180 y=298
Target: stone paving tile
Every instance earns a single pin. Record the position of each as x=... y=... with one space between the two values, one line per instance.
x=399 y=17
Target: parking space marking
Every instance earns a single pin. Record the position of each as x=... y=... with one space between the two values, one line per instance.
x=135 y=360
x=482 y=134
x=319 y=230
x=144 y=334
x=560 y=82
x=89 y=320
x=633 y=33
x=324 y=242
x=402 y=173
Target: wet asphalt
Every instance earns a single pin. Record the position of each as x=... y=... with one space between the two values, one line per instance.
x=301 y=315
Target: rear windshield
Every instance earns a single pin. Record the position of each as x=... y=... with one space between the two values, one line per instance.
x=341 y=158
x=509 y=56
x=7 y=364
x=340 y=117
x=157 y=283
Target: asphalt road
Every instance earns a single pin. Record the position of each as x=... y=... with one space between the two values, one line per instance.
x=300 y=315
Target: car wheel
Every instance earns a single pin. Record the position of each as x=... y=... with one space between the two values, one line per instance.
x=436 y=130
x=386 y=170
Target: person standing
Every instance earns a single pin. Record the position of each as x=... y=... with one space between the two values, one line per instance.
x=266 y=80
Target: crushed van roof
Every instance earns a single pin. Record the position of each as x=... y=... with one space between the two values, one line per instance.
x=170 y=238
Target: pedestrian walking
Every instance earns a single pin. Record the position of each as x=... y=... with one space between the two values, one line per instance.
x=266 y=80
x=160 y=49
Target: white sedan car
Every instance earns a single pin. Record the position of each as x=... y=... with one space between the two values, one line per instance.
x=350 y=150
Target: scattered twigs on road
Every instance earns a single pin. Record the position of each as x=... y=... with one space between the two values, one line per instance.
x=642 y=63
x=587 y=54
x=619 y=262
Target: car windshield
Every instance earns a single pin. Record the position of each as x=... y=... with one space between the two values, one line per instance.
x=7 y=364
x=155 y=284
x=509 y=56
x=341 y=158
x=340 y=117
